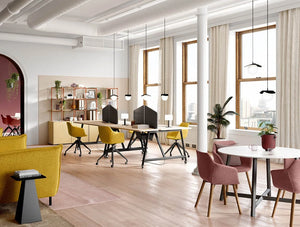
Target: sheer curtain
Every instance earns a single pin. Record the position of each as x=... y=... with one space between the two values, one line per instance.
x=166 y=107
x=288 y=78
x=218 y=59
x=133 y=78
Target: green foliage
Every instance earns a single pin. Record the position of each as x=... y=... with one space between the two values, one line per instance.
x=217 y=119
x=57 y=86
x=15 y=76
x=267 y=128
x=99 y=95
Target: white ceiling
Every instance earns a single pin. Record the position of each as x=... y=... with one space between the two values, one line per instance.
x=75 y=18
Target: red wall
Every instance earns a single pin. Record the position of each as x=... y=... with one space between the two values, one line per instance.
x=9 y=97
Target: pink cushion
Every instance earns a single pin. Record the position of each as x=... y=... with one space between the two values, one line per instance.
x=234 y=160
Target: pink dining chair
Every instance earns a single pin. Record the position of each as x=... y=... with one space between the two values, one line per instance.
x=286 y=164
x=289 y=180
x=215 y=173
x=243 y=166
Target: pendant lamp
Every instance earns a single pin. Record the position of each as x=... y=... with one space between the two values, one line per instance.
x=145 y=96
x=253 y=67
x=128 y=95
x=114 y=96
x=164 y=96
x=267 y=91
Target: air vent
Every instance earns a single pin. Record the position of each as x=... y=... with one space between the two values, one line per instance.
x=96 y=42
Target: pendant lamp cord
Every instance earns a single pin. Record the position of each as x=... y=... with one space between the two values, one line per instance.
x=128 y=68
x=114 y=63
x=164 y=56
x=252 y=31
x=267 y=44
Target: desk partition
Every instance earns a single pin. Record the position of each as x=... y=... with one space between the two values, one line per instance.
x=145 y=115
x=110 y=114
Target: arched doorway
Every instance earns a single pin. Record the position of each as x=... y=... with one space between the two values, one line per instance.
x=11 y=90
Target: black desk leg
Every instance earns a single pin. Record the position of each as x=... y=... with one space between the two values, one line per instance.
x=183 y=147
x=28 y=209
x=253 y=194
x=145 y=149
x=160 y=147
x=131 y=141
x=268 y=176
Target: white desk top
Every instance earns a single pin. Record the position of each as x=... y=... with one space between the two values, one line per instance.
x=245 y=151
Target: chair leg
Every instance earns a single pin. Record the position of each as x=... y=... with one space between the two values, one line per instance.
x=69 y=148
x=177 y=145
x=170 y=149
x=187 y=153
x=283 y=193
x=86 y=146
x=237 y=199
x=199 y=194
x=249 y=183
x=122 y=156
x=275 y=204
x=112 y=155
x=210 y=199
x=224 y=194
x=292 y=209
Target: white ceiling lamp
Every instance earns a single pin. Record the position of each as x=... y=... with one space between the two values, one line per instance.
x=114 y=96
x=267 y=91
x=253 y=67
x=164 y=96
x=128 y=95
x=145 y=96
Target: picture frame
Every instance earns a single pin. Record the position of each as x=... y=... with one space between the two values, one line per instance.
x=91 y=94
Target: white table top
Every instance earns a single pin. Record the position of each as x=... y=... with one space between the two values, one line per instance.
x=245 y=151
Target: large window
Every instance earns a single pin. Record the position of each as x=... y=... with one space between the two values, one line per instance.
x=189 y=81
x=252 y=106
x=151 y=77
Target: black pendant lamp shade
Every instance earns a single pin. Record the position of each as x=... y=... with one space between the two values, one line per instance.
x=267 y=91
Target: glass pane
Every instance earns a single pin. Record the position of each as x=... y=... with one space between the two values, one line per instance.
x=256 y=107
x=260 y=53
x=153 y=67
x=192 y=62
x=191 y=103
x=153 y=101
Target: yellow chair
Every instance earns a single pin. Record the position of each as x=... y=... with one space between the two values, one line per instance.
x=176 y=136
x=78 y=133
x=110 y=138
x=1 y=131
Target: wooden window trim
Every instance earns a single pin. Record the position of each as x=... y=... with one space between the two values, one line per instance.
x=238 y=70
x=184 y=77
x=145 y=71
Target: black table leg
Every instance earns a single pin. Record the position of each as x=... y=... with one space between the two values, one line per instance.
x=253 y=193
x=268 y=175
x=160 y=147
x=145 y=149
x=183 y=147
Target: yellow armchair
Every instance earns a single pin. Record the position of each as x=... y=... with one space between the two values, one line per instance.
x=176 y=136
x=78 y=133
x=109 y=137
x=1 y=131
x=47 y=160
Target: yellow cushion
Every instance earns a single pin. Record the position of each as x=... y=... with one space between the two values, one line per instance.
x=75 y=131
x=108 y=136
x=11 y=143
x=176 y=134
x=1 y=131
x=47 y=160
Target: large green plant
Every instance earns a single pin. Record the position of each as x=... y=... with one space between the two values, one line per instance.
x=217 y=119
x=267 y=128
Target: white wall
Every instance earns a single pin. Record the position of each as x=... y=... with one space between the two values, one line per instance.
x=42 y=59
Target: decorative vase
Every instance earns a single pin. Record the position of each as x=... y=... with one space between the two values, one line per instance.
x=268 y=142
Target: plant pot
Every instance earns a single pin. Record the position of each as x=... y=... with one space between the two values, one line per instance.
x=268 y=142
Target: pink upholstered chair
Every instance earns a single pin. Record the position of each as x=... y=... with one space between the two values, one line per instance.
x=244 y=164
x=287 y=179
x=215 y=173
x=286 y=164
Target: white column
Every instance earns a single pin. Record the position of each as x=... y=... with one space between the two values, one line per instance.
x=202 y=76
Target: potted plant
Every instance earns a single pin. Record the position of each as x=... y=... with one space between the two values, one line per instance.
x=268 y=135
x=217 y=119
x=15 y=76
x=57 y=87
x=99 y=98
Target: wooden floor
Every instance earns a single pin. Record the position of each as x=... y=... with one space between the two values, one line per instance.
x=163 y=193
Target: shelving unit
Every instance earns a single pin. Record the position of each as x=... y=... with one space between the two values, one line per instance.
x=80 y=102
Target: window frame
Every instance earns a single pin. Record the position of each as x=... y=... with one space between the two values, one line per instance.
x=185 y=81
x=145 y=71
x=239 y=66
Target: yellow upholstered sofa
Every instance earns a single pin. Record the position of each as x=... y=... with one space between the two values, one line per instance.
x=15 y=156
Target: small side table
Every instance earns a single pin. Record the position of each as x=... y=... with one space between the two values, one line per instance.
x=28 y=209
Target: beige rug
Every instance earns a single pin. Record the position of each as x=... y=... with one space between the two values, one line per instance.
x=74 y=192
x=49 y=217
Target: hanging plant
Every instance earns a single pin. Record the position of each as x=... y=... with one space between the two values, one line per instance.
x=15 y=76
x=10 y=83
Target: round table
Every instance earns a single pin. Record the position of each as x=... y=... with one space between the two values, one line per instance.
x=245 y=151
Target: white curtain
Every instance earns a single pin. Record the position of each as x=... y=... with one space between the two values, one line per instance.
x=218 y=59
x=133 y=78
x=288 y=78
x=166 y=107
